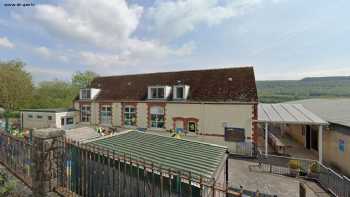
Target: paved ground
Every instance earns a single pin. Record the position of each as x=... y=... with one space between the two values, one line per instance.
x=241 y=175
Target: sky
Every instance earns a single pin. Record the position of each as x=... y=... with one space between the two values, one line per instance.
x=281 y=39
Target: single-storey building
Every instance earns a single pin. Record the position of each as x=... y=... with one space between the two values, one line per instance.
x=337 y=135
x=201 y=102
x=48 y=118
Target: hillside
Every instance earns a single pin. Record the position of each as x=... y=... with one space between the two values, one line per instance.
x=311 y=87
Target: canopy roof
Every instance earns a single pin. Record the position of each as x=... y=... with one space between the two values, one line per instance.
x=288 y=113
x=199 y=158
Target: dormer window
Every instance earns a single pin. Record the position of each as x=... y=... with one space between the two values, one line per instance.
x=180 y=92
x=85 y=94
x=88 y=93
x=158 y=92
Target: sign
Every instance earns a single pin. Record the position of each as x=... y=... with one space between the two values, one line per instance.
x=341 y=145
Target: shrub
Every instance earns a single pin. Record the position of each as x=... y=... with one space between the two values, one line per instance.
x=294 y=164
x=314 y=167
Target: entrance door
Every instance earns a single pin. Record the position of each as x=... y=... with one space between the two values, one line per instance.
x=314 y=139
x=307 y=137
x=192 y=126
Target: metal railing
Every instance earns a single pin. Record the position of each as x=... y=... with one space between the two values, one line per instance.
x=335 y=183
x=89 y=170
x=15 y=155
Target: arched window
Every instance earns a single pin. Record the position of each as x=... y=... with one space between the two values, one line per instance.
x=129 y=115
x=157 y=117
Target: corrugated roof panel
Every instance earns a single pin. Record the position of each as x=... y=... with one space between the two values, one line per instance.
x=287 y=113
x=309 y=114
x=271 y=112
x=286 y=116
x=299 y=116
x=199 y=158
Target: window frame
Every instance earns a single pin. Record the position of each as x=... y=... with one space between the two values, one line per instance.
x=85 y=114
x=157 y=92
x=30 y=116
x=129 y=115
x=159 y=120
x=106 y=114
x=69 y=118
x=39 y=117
x=85 y=94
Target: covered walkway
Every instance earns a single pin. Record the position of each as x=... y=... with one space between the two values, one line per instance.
x=292 y=114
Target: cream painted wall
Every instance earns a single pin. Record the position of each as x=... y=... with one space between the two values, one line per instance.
x=142 y=115
x=295 y=131
x=332 y=154
x=212 y=116
x=34 y=122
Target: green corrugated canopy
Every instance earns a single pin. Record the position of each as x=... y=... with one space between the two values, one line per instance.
x=201 y=159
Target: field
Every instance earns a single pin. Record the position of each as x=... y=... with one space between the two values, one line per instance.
x=318 y=87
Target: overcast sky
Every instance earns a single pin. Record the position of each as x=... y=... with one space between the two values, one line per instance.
x=282 y=39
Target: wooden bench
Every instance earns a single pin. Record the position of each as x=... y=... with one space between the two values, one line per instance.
x=277 y=144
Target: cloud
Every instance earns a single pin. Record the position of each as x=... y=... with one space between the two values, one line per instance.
x=172 y=19
x=4 y=42
x=103 y=23
x=140 y=53
x=47 y=53
x=46 y=73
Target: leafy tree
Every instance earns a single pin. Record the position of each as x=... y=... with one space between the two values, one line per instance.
x=83 y=79
x=53 y=94
x=15 y=85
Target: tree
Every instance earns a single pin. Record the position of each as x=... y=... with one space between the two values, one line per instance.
x=53 y=94
x=83 y=79
x=15 y=85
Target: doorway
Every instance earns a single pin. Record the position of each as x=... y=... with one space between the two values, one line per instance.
x=192 y=127
x=311 y=138
x=307 y=137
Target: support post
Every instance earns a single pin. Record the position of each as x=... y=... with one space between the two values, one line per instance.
x=320 y=143
x=266 y=138
x=45 y=152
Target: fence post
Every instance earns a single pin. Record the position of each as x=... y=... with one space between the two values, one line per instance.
x=45 y=155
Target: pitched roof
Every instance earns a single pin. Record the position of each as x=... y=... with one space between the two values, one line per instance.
x=332 y=110
x=227 y=84
x=287 y=113
x=199 y=158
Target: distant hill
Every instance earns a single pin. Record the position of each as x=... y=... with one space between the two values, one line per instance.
x=310 y=87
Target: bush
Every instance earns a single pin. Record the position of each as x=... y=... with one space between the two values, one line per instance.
x=294 y=164
x=314 y=167
x=6 y=186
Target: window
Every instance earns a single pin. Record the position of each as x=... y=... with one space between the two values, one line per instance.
x=62 y=121
x=129 y=116
x=85 y=94
x=69 y=120
x=157 y=117
x=49 y=117
x=157 y=93
x=179 y=92
x=30 y=115
x=85 y=113
x=39 y=117
x=106 y=114
x=192 y=126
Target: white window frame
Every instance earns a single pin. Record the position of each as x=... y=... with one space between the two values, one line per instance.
x=85 y=94
x=185 y=89
x=157 y=115
x=85 y=113
x=106 y=114
x=166 y=91
x=131 y=113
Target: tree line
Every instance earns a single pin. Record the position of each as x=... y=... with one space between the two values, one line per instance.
x=17 y=90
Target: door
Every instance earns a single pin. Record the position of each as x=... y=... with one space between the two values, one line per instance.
x=192 y=126
x=307 y=137
x=314 y=139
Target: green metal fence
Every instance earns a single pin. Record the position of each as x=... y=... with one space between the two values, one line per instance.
x=89 y=170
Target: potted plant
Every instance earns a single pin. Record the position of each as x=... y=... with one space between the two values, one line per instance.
x=294 y=167
x=314 y=170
